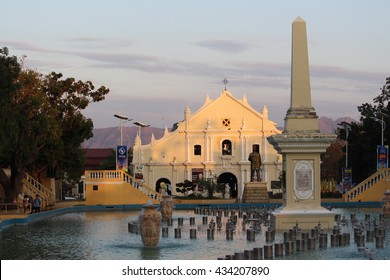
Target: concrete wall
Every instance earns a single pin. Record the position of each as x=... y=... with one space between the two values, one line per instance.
x=114 y=193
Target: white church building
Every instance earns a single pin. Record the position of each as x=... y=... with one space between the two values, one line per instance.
x=215 y=141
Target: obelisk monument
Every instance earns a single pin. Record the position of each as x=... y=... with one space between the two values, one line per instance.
x=301 y=145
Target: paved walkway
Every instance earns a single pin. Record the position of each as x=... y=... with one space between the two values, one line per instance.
x=12 y=213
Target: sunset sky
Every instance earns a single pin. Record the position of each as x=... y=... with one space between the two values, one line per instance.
x=159 y=56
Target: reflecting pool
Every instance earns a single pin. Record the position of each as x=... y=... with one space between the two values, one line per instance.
x=104 y=235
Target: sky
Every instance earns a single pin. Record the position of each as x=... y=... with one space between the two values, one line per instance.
x=157 y=57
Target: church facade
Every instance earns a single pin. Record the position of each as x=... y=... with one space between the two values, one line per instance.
x=213 y=142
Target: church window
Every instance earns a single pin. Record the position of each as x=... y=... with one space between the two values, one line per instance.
x=197 y=150
x=226 y=122
x=226 y=147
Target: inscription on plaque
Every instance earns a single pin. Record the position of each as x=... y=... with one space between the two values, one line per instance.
x=303 y=179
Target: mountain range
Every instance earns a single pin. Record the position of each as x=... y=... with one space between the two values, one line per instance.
x=110 y=137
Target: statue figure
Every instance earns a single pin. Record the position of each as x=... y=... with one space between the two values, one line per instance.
x=255 y=160
x=163 y=189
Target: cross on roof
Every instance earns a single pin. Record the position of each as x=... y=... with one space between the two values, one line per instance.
x=225 y=81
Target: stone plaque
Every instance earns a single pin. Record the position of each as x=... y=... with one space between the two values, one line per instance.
x=303 y=179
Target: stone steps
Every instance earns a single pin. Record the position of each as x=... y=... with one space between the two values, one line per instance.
x=255 y=192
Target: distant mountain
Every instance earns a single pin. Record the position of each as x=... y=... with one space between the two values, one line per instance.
x=110 y=137
x=328 y=125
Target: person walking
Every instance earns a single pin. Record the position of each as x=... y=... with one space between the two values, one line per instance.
x=37 y=204
x=25 y=203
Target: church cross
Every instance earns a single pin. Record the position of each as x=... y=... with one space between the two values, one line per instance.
x=225 y=81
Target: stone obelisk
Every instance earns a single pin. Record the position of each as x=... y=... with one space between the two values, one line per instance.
x=301 y=145
x=301 y=115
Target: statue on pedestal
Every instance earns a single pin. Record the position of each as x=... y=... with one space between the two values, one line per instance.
x=255 y=159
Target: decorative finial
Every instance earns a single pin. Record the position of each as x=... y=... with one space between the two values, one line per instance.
x=225 y=81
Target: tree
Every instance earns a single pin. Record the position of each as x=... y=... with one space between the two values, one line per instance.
x=30 y=125
x=211 y=185
x=69 y=97
x=364 y=136
x=9 y=72
x=187 y=187
x=44 y=124
x=331 y=162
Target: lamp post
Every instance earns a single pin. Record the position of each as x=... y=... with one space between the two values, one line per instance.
x=382 y=151
x=121 y=120
x=347 y=128
x=346 y=181
x=383 y=123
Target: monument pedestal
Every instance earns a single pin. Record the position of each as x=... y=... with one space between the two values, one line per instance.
x=255 y=192
x=285 y=219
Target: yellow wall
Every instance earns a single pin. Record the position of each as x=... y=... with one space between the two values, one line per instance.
x=114 y=193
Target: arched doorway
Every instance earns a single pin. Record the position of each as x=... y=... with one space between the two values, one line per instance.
x=231 y=180
x=166 y=182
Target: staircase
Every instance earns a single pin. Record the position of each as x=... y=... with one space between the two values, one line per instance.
x=32 y=187
x=157 y=197
x=371 y=189
x=117 y=187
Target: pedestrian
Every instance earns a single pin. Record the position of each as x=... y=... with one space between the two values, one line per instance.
x=19 y=201
x=25 y=203
x=37 y=204
x=30 y=204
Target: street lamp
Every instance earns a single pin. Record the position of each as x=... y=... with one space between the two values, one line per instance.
x=346 y=181
x=383 y=123
x=347 y=128
x=121 y=120
x=139 y=124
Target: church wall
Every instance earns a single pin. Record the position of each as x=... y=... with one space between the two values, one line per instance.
x=225 y=118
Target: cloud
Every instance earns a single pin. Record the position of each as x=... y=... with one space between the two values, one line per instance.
x=250 y=74
x=329 y=81
x=223 y=46
x=26 y=47
x=156 y=111
x=100 y=43
x=343 y=73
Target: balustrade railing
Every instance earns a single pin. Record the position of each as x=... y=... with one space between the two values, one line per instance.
x=118 y=175
x=104 y=174
x=367 y=184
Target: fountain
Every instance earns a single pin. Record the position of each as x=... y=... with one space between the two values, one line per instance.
x=166 y=207
x=149 y=224
x=101 y=234
x=386 y=203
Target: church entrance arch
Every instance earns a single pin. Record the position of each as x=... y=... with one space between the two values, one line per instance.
x=231 y=180
x=161 y=182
